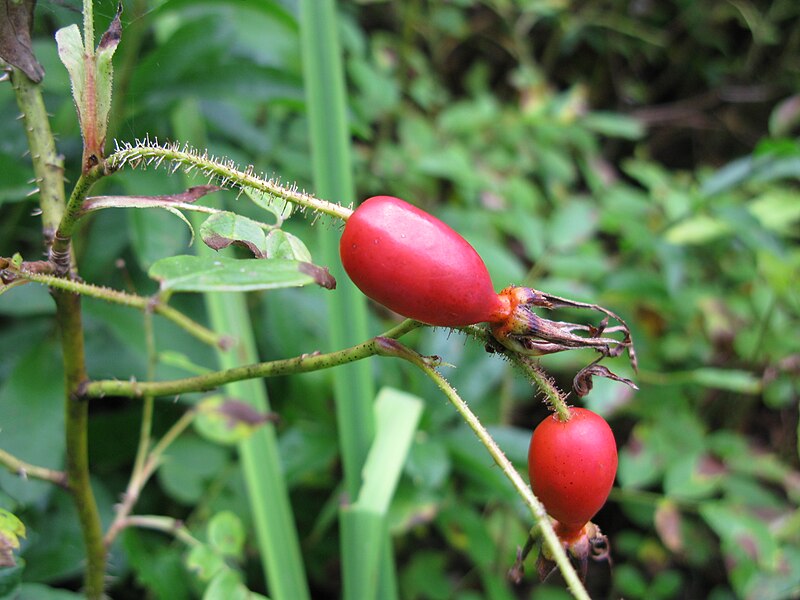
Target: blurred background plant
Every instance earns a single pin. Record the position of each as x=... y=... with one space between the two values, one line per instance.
x=641 y=155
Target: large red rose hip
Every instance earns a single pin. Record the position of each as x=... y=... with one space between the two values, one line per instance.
x=414 y=264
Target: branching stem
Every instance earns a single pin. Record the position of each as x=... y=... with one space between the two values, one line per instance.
x=209 y=381
x=145 y=303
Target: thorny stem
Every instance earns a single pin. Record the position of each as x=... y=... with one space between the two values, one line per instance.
x=49 y=172
x=48 y=166
x=147 y=304
x=225 y=173
x=25 y=470
x=390 y=347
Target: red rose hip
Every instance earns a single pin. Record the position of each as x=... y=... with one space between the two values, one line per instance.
x=417 y=266
x=572 y=466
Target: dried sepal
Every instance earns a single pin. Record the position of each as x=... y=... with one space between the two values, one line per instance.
x=582 y=383
x=527 y=333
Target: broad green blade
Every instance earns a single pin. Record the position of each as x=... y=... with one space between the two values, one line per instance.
x=365 y=538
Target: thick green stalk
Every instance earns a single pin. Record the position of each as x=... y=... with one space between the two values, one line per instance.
x=68 y=314
x=48 y=166
x=49 y=173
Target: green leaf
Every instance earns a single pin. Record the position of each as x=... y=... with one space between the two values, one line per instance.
x=308 y=449
x=11 y=529
x=104 y=74
x=572 y=223
x=277 y=206
x=614 y=125
x=281 y=244
x=38 y=591
x=159 y=568
x=699 y=229
x=778 y=210
x=220 y=274
x=226 y=534
x=181 y=361
x=71 y=53
x=363 y=524
x=785 y=116
x=692 y=477
x=742 y=532
x=428 y=462
x=223 y=229
x=226 y=585
x=227 y=420
x=188 y=467
x=154 y=235
x=733 y=380
x=363 y=529
x=205 y=562
x=32 y=418
x=10 y=579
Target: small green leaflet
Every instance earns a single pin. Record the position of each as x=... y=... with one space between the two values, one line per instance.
x=269 y=202
x=220 y=274
x=226 y=228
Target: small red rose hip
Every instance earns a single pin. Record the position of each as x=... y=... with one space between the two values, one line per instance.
x=572 y=466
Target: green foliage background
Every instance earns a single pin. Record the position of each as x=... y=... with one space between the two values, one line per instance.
x=643 y=156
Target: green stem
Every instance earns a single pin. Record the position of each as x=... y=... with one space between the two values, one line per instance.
x=25 y=470
x=142 y=474
x=146 y=426
x=48 y=166
x=225 y=173
x=88 y=27
x=532 y=370
x=49 y=172
x=60 y=253
x=145 y=303
x=165 y=524
x=209 y=381
x=68 y=314
x=390 y=347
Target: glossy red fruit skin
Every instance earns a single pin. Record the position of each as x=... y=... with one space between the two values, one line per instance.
x=572 y=466
x=417 y=266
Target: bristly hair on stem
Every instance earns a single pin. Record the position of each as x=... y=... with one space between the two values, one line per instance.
x=224 y=172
